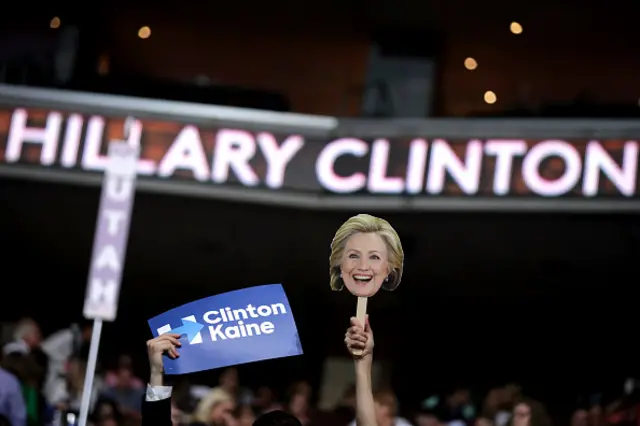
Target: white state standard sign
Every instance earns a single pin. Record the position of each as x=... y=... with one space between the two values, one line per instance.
x=112 y=232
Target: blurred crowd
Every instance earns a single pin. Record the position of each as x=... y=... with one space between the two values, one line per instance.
x=41 y=384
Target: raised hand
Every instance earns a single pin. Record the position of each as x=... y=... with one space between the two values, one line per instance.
x=359 y=338
x=165 y=344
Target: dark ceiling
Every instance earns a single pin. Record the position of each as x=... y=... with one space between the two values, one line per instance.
x=399 y=15
x=408 y=15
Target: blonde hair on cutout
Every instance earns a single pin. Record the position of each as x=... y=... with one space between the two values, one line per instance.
x=365 y=223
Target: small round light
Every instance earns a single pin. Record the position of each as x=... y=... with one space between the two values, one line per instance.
x=54 y=23
x=144 y=32
x=515 y=28
x=470 y=64
x=490 y=97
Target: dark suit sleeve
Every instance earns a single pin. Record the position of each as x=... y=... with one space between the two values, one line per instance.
x=156 y=413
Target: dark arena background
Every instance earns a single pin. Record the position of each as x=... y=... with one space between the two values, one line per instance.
x=520 y=275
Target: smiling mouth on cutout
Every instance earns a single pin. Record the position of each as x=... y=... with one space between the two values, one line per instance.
x=362 y=279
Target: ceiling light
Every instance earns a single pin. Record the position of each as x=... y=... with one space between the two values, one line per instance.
x=490 y=97
x=515 y=28
x=144 y=32
x=470 y=64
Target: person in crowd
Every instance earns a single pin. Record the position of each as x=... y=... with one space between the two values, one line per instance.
x=455 y=409
x=246 y=415
x=156 y=407
x=60 y=347
x=498 y=404
x=216 y=405
x=360 y=344
x=215 y=409
x=106 y=413
x=580 y=417
x=123 y=368
x=230 y=382
x=375 y=409
x=12 y=405
x=459 y=407
x=24 y=358
x=596 y=414
x=26 y=337
x=178 y=417
x=265 y=400
x=298 y=403
x=387 y=409
x=429 y=417
x=67 y=396
x=529 y=412
x=483 y=421
x=182 y=397
x=345 y=410
x=125 y=391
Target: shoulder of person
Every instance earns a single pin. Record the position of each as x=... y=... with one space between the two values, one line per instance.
x=56 y=340
x=9 y=377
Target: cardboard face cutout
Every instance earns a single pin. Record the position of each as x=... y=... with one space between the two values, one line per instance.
x=365 y=264
x=366 y=254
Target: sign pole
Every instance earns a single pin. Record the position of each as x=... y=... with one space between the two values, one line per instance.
x=87 y=390
x=109 y=249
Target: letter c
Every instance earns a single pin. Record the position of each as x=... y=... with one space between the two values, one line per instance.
x=207 y=316
x=326 y=160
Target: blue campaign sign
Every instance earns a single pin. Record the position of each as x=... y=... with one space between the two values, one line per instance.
x=241 y=326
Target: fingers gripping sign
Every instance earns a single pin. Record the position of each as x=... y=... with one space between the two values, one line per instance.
x=359 y=339
x=164 y=345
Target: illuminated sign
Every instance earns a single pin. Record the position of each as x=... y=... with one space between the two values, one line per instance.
x=414 y=166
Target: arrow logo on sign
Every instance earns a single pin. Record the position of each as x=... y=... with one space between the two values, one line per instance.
x=188 y=328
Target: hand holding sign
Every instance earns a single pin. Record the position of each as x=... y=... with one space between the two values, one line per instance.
x=233 y=328
x=366 y=254
x=166 y=344
x=359 y=339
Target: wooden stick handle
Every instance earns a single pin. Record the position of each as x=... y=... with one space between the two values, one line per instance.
x=361 y=310
x=361 y=314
